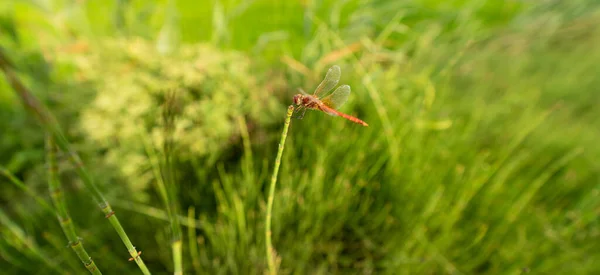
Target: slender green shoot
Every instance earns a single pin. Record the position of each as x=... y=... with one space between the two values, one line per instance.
x=15 y=229
x=170 y=111
x=193 y=242
x=19 y=184
x=157 y=213
x=270 y=249
x=164 y=173
x=61 y=210
x=50 y=123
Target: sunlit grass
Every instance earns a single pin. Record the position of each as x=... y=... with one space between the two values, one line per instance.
x=480 y=156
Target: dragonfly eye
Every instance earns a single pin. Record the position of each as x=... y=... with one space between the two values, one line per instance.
x=297 y=99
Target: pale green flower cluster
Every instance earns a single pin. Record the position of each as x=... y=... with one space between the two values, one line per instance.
x=214 y=89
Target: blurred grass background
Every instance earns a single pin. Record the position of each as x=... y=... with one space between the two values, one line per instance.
x=481 y=156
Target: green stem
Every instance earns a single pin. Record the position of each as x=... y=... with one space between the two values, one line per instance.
x=49 y=122
x=168 y=195
x=61 y=208
x=172 y=210
x=176 y=248
x=270 y=249
x=170 y=111
x=164 y=176
x=26 y=189
x=158 y=214
x=193 y=242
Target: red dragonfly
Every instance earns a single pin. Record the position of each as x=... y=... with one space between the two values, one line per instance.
x=320 y=100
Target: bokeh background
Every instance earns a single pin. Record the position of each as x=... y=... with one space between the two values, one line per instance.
x=481 y=156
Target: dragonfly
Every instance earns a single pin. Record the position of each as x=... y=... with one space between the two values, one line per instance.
x=325 y=101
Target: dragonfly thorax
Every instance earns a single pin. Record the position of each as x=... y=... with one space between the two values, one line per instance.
x=307 y=101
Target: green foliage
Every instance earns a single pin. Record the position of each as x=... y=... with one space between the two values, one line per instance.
x=481 y=154
x=212 y=89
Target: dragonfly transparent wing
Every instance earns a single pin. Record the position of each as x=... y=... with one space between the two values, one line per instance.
x=331 y=80
x=336 y=99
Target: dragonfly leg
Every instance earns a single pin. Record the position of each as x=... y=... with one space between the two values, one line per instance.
x=299 y=112
x=302 y=115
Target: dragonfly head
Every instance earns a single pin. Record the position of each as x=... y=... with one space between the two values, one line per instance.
x=298 y=99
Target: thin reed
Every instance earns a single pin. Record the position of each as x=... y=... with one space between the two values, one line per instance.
x=66 y=223
x=270 y=249
x=51 y=125
x=170 y=111
x=19 y=184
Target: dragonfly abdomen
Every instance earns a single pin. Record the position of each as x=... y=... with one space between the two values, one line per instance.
x=334 y=112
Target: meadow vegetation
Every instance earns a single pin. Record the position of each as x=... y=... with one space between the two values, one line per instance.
x=481 y=155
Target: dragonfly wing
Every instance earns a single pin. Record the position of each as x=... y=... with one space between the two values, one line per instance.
x=331 y=80
x=336 y=99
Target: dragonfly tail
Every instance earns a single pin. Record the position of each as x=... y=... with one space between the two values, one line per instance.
x=334 y=112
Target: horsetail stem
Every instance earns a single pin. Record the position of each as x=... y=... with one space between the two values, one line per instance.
x=49 y=122
x=270 y=249
x=60 y=205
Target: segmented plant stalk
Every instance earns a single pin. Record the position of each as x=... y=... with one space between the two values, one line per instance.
x=270 y=249
x=61 y=209
x=170 y=111
x=50 y=123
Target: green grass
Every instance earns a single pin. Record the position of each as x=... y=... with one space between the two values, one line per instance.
x=480 y=156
